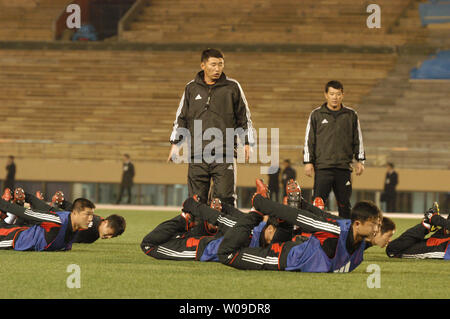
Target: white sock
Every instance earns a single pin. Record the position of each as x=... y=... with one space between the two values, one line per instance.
x=10 y=219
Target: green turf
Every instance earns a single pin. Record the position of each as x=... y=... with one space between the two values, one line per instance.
x=117 y=268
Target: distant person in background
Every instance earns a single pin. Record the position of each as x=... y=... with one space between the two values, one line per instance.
x=10 y=173
x=288 y=173
x=87 y=32
x=390 y=183
x=127 y=178
x=274 y=185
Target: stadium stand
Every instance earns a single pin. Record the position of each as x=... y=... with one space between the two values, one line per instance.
x=28 y=20
x=104 y=97
x=436 y=67
x=435 y=12
x=266 y=21
x=405 y=119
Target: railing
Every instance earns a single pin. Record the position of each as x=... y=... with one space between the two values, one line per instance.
x=131 y=14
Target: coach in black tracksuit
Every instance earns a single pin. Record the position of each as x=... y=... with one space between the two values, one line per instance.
x=333 y=138
x=212 y=100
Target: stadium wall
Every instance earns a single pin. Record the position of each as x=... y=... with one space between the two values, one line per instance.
x=163 y=173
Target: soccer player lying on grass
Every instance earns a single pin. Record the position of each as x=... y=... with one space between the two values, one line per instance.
x=182 y=239
x=383 y=237
x=44 y=230
x=335 y=246
x=294 y=199
x=413 y=244
x=99 y=227
x=104 y=228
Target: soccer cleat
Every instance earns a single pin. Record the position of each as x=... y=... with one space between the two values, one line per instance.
x=7 y=195
x=428 y=226
x=318 y=202
x=294 y=193
x=189 y=220
x=216 y=204
x=186 y=211
x=39 y=195
x=58 y=198
x=19 y=196
x=428 y=215
x=426 y=222
x=261 y=188
x=431 y=212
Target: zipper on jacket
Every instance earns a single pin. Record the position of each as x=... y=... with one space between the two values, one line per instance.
x=207 y=103
x=209 y=98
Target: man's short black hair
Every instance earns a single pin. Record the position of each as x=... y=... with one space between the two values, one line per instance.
x=288 y=161
x=80 y=204
x=365 y=210
x=390 y=164
x=127 y=155
x=335 y=85
x=11 y=157
x=211 y=53
x=387 y=225
x=117 y=223
x=272 y=221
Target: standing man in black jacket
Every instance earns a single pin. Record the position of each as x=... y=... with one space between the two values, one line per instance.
x=390 y=183
x=127 y=178
x=333 y=138
x=212 y=103
x=10 y=173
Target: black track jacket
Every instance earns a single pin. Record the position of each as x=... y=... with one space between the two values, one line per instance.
x=332 y=142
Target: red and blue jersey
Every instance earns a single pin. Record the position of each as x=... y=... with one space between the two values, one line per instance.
x=310 y=257
x=46 y=236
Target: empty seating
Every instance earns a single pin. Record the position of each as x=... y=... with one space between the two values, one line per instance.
x=98 y=104
x=267 y=21
x=30 y=20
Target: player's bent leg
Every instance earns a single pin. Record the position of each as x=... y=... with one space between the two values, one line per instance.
x=8 y=235
x=37 y=203
x=432 y=248
x=175 y=249
x=165 y=231
x=29 y=215
x=238 y=237
x=232 y=211
x=255 y=258
x=408 y=239
x=203 y=212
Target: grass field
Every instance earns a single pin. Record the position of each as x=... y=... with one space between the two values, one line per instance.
x=117 y=268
